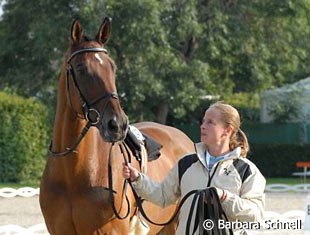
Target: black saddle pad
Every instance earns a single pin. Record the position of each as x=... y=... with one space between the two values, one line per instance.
x=152 y=146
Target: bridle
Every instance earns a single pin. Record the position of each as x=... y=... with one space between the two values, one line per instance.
x=86 y=105
x=87 y=110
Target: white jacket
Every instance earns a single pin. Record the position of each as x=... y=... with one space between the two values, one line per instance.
x=238 y=176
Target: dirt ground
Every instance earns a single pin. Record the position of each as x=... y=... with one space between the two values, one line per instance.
x=26 y=211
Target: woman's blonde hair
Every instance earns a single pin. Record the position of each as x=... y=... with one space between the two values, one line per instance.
x=230 y=116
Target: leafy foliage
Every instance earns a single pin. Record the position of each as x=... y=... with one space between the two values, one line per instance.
x=284 y=109
x=169 y=53
x=174 y=58
x=34 y=44
x=24 y=133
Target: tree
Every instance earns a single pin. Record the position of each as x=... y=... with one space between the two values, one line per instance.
x=169 y=53
x=257 y=44
x=34 y=36
x=157 y=73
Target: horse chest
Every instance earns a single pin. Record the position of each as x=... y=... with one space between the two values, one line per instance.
x=83 y=212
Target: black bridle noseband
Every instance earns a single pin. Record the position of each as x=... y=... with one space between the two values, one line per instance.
x=86 y=106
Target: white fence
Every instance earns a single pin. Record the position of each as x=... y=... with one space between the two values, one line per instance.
x=303 y=188
x=10 y=229
x=30 y=192
x=40 y=229
x=22 y=192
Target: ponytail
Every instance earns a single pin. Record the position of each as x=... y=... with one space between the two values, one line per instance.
x=239 y=139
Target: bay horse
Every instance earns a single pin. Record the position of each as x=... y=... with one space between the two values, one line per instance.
x=74 y=191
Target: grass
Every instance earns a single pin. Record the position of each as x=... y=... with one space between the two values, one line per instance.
x=18 y=185
x=289 y=181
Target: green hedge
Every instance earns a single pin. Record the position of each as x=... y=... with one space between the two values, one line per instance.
x=279 y=160
x=24 y=134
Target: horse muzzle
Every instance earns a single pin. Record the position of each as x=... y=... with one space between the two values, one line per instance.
x=114 y=129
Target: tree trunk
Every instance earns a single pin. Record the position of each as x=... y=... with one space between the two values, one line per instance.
x=162 y=113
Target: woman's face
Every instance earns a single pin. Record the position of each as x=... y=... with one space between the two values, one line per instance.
x=212 y=129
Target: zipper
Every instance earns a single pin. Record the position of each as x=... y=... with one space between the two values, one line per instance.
x=211 y=177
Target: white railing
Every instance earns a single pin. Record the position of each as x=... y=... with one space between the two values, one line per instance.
x=10 y=229
x=291 y=217
x=22 y=192
x=292 y=214
x=40 y=229
x=286 y=188
x=30 y=192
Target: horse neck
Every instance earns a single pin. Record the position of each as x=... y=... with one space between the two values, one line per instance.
x=67 y=125
x=92 y=150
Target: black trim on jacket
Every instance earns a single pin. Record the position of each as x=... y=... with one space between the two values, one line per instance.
x=185 y=163
x=243 y=169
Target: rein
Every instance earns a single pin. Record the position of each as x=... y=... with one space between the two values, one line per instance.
x=206 y=201
x=110 y=183
x=86 y=106
x=208 y=206
x=87 y=110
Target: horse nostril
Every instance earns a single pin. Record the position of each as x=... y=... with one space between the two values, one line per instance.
x=113 y=125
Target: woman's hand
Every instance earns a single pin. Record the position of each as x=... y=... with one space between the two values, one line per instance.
x=130 y=172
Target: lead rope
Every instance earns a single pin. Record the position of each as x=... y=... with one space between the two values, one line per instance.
x=139 y=200
x=111 y=191
x=206 y=197
x=140 y=207
x=213 y=208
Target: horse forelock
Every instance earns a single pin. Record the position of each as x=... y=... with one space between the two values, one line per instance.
x=89 y=43
x=86 y=38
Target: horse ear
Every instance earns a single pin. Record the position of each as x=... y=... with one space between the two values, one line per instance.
x=77 y=32
x=104 y=31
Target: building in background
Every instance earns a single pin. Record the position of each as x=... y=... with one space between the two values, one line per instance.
x=290 y=103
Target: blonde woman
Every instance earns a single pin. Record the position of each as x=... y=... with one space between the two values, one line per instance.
x=219 y=162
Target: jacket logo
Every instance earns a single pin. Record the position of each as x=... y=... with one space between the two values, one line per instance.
x=226 y=171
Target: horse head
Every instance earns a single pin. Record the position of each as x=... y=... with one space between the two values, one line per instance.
x=91 y=73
